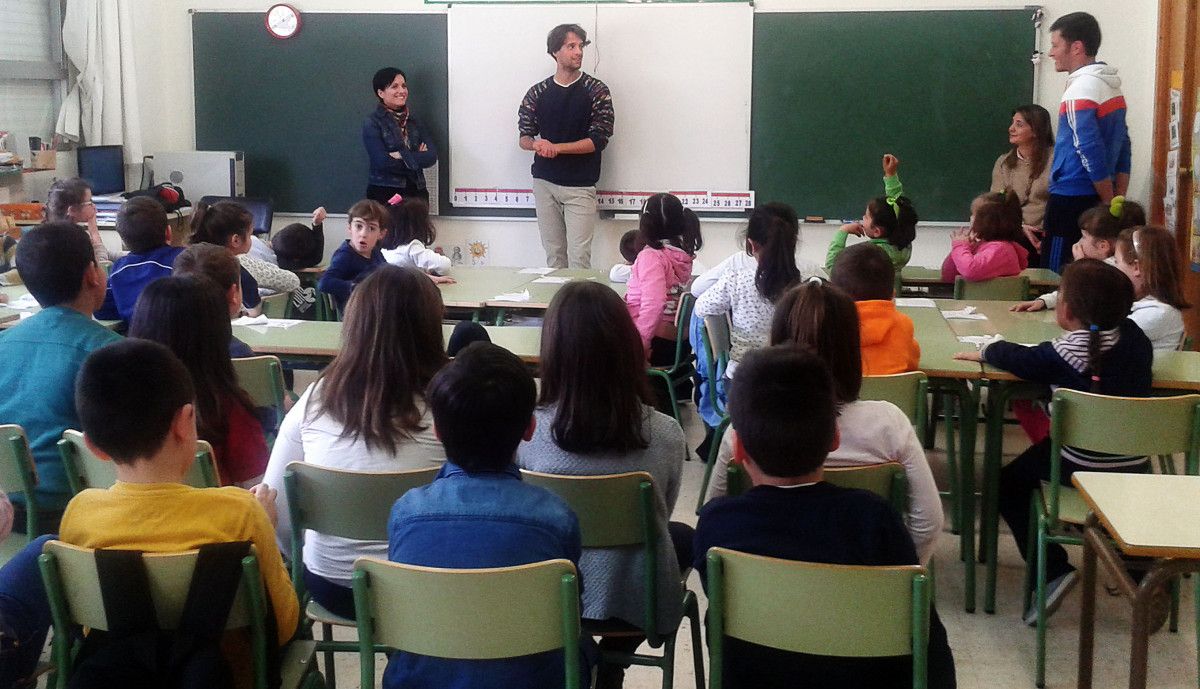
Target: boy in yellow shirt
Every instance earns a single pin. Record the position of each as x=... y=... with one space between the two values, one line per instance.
x=149 y=432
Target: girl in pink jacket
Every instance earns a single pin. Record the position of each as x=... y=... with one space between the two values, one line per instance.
x=991 y=247
x=671 y=236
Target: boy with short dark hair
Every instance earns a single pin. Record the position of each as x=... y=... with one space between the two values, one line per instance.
x=783 y=409
x=889 y=344
x=297 y=246
x=142 y=224
x=477 y=513
x=223 y=268
x=58 y=265
x=149 y=433
x=368 y=221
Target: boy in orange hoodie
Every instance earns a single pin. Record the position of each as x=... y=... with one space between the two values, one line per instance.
x=866 y=273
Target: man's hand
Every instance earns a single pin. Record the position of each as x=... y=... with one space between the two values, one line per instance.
x=1035 y=305
x=890 y=165
x=266 y=497
x=545 y=148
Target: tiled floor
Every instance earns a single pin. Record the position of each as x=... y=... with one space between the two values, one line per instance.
x=991 y=651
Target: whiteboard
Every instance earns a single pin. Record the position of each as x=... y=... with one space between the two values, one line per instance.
x=680 y=82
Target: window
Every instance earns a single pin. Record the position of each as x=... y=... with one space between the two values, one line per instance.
x=32 y=76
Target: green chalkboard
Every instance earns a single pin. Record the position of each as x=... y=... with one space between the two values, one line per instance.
x=833 y=91
x=296 y=106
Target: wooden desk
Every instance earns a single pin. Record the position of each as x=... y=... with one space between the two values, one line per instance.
x=1147 y=515
x=320 y=341
x=475 y=286
x=541 y=294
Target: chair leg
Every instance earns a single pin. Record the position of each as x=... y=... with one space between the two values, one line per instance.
x=948 y=406
x=693 y=614
x=714 y=449
x=1027 y=589
x=331 y=678
x=1173 y=619
x=929 y=433
x=1040 y=674
x=668 y=662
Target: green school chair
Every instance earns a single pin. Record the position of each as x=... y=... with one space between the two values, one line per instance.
x=18 y=474
x=715 y=331
x=682 y=368
x=86 y=470
x=1015 y=288
x=617 y=510
x=276 y=305
x=317 y=501
x=262 y=378
x=887 y=480
x=73 y=587
x=1166 y=425
x=851 y=610
x=468 y=614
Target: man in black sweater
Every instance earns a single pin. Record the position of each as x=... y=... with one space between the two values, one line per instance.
x=783 y=411
x=566 y=120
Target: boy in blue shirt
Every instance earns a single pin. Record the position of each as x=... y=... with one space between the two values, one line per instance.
x=478 y=513
x=360 y=253
x=44 y=353
x=142 y=224
x=783 y=410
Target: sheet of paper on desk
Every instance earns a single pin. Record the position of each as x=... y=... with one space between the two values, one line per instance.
x=536 y=271
x=916 y=302
x=24 y=302
x=966 y=313
x=980 y=341
x=523 y=295
x=264 y=322
x=551 y=280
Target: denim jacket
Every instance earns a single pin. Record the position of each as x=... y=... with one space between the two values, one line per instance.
x=475 y=520
x=381 y=135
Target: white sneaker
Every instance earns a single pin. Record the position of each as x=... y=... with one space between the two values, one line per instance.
x=1056 y=590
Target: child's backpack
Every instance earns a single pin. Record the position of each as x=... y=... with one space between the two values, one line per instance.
x=134 y=653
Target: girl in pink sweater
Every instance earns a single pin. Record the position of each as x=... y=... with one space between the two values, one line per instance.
x=660 y=274
x=991 y=247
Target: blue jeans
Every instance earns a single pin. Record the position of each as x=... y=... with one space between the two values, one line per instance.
x=24 y=612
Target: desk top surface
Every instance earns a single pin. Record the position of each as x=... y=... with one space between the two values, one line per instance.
x=1149 y=515
x=323 y=339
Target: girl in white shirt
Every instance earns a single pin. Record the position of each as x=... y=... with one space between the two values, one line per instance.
x=366 y=412
x=1147 y=256
x=821 y=317
x=407 y=244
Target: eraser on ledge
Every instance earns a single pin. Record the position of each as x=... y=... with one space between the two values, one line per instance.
x=814 y=218
x=395 y=200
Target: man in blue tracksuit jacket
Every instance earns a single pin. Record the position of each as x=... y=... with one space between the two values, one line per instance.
x=1091 y=151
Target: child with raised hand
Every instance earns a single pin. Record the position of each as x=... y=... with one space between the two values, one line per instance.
x=190 y=316
x=822 y=318
x=991 y=246
x=70 y=200
x=1098 y=228
x=749 y=295
x=889 y=222
x=784 y=408
x=660 y=274
x=407 y=244
x=368 y=223
x=298 y=246
x=229 y=225
x=1147 y=256
x=1102 y=351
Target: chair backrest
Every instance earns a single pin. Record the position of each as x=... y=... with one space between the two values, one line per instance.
x=683 y=319
x=852 y=611
x=73 y=588
x=887 y=480
x=18 y=473
x=614 y=510
x=717 y=345
x=262 y=378
x=348 y=504
x=258 y=207
x=909 y=391
x=86 y=470
x=275 y=305
x=1015 y=288
x=1122 y=426
x=470 y=614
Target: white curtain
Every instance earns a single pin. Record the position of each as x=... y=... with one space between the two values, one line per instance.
x=102 y=105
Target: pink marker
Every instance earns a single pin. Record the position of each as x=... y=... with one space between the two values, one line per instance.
x=395 y=200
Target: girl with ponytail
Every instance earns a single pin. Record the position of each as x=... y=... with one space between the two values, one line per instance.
x=1102 y=351
x=991 y=246
x=749 y=295
x=228 y=225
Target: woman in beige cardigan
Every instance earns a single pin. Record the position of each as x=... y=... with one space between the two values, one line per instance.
x=1025 y=169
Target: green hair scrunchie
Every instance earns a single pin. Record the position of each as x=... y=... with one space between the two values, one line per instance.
x=1116 y=206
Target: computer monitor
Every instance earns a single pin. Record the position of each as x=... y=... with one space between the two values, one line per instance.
x=103 y=167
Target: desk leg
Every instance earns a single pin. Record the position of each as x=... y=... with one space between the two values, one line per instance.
x=993 y=450
x=1087 y=611
x=968 y=413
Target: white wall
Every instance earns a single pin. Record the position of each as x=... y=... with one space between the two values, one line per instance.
x=163 y=60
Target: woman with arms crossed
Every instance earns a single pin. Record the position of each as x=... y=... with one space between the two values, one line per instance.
x=1026 y=169
x=398 y=145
